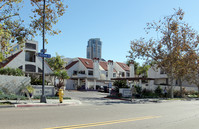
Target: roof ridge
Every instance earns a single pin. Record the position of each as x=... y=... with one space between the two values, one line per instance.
x=10 y=58
x=71 y=64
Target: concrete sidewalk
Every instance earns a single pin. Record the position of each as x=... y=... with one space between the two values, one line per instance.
x=36 y=103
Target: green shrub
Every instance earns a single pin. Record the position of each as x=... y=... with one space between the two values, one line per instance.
x=148 y=93
x=158 y=91
x=12 y=97
x=138 y=90
x=1 y=92
x=191 y=93
x=11 y=71
x=176 y=94
x=5 y=90
x=37 y=81
x=120 y=84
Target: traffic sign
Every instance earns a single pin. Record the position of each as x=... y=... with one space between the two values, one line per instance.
x=44 y=55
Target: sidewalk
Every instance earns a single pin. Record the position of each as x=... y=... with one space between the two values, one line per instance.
x=36 y=103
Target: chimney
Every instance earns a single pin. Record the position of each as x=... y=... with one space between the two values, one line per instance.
x=110 y=69
x=132 y=73
x=96 y=72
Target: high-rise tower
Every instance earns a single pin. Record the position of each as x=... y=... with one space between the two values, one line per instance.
x=94 y=48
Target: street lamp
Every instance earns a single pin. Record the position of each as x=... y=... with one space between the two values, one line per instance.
x=43 y=97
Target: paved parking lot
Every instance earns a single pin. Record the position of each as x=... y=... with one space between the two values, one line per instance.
x=92 y=97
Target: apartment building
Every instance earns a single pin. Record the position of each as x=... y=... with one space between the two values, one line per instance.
x=88 y=73
x=26 y=58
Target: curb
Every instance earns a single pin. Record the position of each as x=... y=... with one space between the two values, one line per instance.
x=7 y=106
x=39 y=105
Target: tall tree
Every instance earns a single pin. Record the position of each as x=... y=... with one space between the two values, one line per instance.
x=193 y=67
x=58 y=66
x=56 y=63
x=142 y=70
x=15 y=29
x=176 y=39
x=136 y=65
x=61 y=75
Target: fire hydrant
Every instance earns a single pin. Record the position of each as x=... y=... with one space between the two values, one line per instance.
x=61 y=95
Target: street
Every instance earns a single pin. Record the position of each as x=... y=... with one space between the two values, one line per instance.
x=109 y=114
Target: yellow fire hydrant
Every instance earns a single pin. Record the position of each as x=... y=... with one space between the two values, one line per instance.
x=61 y=95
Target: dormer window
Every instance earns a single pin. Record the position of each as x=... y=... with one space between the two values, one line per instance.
x=86 y=62
x=124 y=66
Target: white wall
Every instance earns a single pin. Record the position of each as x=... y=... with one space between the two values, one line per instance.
x=155 y=73
x=20 y=60
x=13 y=83
x=70 y=85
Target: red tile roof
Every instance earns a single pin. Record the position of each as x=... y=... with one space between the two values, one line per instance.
x=123 y=66
x=104 y=65
x=71 y=64
x=9 y=59
x=88 y=63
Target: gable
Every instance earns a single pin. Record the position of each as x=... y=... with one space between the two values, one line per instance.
x=71 y=64
x=9 y=59
x=88 y=63
x=123 y=66
x=104 y=65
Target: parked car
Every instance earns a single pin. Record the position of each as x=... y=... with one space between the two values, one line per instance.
x=100 y=89
x=103 y=89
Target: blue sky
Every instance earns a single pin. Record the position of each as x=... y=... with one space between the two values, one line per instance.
x=115 y=22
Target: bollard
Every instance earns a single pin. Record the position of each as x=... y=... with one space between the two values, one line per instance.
x=61 y=95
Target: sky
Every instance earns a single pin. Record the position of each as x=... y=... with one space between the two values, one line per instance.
x=115 y=22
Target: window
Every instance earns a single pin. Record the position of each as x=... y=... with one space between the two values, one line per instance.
x=40 y=70
x=114 y=74
x=122 y=74
x=127 y=74
x=74 y=72
x=30 y=56
x=90 y=72
x=30 y=68
x=162 y=71
x=81 y=72
x=30 y=46
x=20 y=67
x=86 y=62
x=106 y=74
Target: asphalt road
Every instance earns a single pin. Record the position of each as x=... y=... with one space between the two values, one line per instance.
x=115 y=115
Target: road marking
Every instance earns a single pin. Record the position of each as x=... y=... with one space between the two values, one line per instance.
x=104 y=123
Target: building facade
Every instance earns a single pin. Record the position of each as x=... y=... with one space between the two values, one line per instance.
x=26 y=59
x=94 y=48
x=161 y=79
x=88 y=74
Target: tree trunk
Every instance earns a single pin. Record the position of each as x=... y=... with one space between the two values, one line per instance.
x=198 y=90
x=54 y=81
x=180 y=83
x=171 y=89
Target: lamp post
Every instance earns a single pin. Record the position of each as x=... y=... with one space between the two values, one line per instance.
x=43 y=97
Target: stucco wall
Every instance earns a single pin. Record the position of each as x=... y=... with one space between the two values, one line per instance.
x=175 y=88
x=13 y=83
